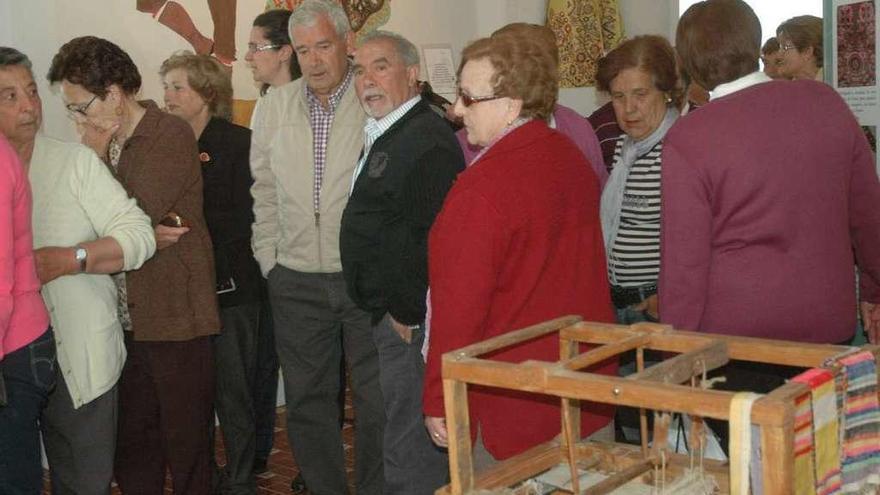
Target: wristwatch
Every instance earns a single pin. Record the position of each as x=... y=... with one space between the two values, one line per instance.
x=81 y=255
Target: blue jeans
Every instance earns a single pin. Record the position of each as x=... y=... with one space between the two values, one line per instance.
x=29 y=374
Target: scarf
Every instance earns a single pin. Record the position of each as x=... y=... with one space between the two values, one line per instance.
x=612 y=195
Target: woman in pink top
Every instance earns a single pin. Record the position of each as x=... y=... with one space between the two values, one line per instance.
x=27 y=349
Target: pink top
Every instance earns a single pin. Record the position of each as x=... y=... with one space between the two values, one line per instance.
x=23 y=316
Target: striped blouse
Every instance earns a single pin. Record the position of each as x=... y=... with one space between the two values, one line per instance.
x=635 y=253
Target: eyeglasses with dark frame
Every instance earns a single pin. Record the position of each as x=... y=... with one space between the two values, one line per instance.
x=468 y=100
x=254 y=48
x=75 y=110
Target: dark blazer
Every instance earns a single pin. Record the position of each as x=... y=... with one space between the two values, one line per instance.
x=171 y=297
x=224 y=151
x=383 y=238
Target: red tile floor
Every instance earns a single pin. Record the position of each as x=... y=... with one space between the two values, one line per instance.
x=282 y=467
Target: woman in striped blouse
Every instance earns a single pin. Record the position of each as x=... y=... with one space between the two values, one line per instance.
x=640 y=76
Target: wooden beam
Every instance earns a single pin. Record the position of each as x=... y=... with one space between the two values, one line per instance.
x=546 y=379
x=681 y=368
x=604 y=352
x=461 y=463
x=511 y=338
x=620 y=478
x=518 y=468
x=800 y=354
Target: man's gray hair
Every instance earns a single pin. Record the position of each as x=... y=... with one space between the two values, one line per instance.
x=407 y=51
x=10 y=57
x=308 y=13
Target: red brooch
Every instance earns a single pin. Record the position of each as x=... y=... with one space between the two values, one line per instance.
x=204 y=157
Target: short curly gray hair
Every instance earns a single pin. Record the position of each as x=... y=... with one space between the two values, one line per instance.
x=407 y=51
x=308 y=13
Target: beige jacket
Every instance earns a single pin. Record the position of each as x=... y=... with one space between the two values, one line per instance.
x=286 y=228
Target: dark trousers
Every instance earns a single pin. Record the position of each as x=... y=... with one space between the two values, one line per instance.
x=265 y=385
x=235 y=355
x=166 y=406
x=413 y=464
x=747 y=376
x=29 y=375
x=80 y=443
x=311 y=311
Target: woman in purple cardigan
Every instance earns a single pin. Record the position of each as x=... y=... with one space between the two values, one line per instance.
x=769 y=196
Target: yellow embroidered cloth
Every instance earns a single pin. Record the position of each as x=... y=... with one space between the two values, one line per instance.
x=585 y=30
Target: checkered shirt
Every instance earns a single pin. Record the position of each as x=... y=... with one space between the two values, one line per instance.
x=321 y=121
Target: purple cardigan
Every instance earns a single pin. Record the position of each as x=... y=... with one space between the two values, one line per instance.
x=569 y=123
x=767 y=195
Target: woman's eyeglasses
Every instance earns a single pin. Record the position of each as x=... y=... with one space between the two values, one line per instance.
x=788 y=46
x=468 y=100
x=254 y=48
x=74 y=110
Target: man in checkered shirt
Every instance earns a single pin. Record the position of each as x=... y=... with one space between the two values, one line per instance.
x=307 y=136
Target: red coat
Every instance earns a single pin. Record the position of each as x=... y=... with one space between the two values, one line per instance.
x=518 y=242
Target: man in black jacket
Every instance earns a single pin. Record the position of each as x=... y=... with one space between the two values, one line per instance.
x=409 y=163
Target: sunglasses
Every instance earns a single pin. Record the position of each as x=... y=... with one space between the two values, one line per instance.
x=468 y=100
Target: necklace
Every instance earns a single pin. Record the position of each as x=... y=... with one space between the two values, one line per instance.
x=114 y=151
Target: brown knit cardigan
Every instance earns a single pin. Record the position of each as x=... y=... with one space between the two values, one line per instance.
x=172 y=297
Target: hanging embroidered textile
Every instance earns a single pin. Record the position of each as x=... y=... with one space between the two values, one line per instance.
x=860 y=416
x=585 y=30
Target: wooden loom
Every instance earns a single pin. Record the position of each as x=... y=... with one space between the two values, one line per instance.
x=655 y=388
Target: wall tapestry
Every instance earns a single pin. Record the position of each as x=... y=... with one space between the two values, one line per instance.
x=585 y=30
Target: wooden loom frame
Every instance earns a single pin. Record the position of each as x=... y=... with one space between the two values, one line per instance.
x=657 y=388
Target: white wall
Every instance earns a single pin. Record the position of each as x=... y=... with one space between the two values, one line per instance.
x=40 y=27
x=639 y=17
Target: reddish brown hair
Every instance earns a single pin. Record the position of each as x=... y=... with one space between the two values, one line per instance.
x=523 y=71
x=770 y=47
x=533 y=33
x=805 y=31
x=652 y=54
x=718 y=41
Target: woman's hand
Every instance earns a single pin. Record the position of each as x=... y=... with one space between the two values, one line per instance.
x=649 y=306
x=168 y=236
x=437 y=430
x=871 y=320
x=97 y=134
x=53 y=262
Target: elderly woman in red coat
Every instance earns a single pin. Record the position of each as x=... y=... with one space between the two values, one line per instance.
x=518 y=242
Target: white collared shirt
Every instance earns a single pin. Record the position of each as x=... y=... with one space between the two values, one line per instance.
x=744 y=82
x=374 y=129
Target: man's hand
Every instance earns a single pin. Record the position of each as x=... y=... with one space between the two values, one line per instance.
x=168 y=236
x=871 y=320
x=404 y=331
x=53 y=262
x=437 y=430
